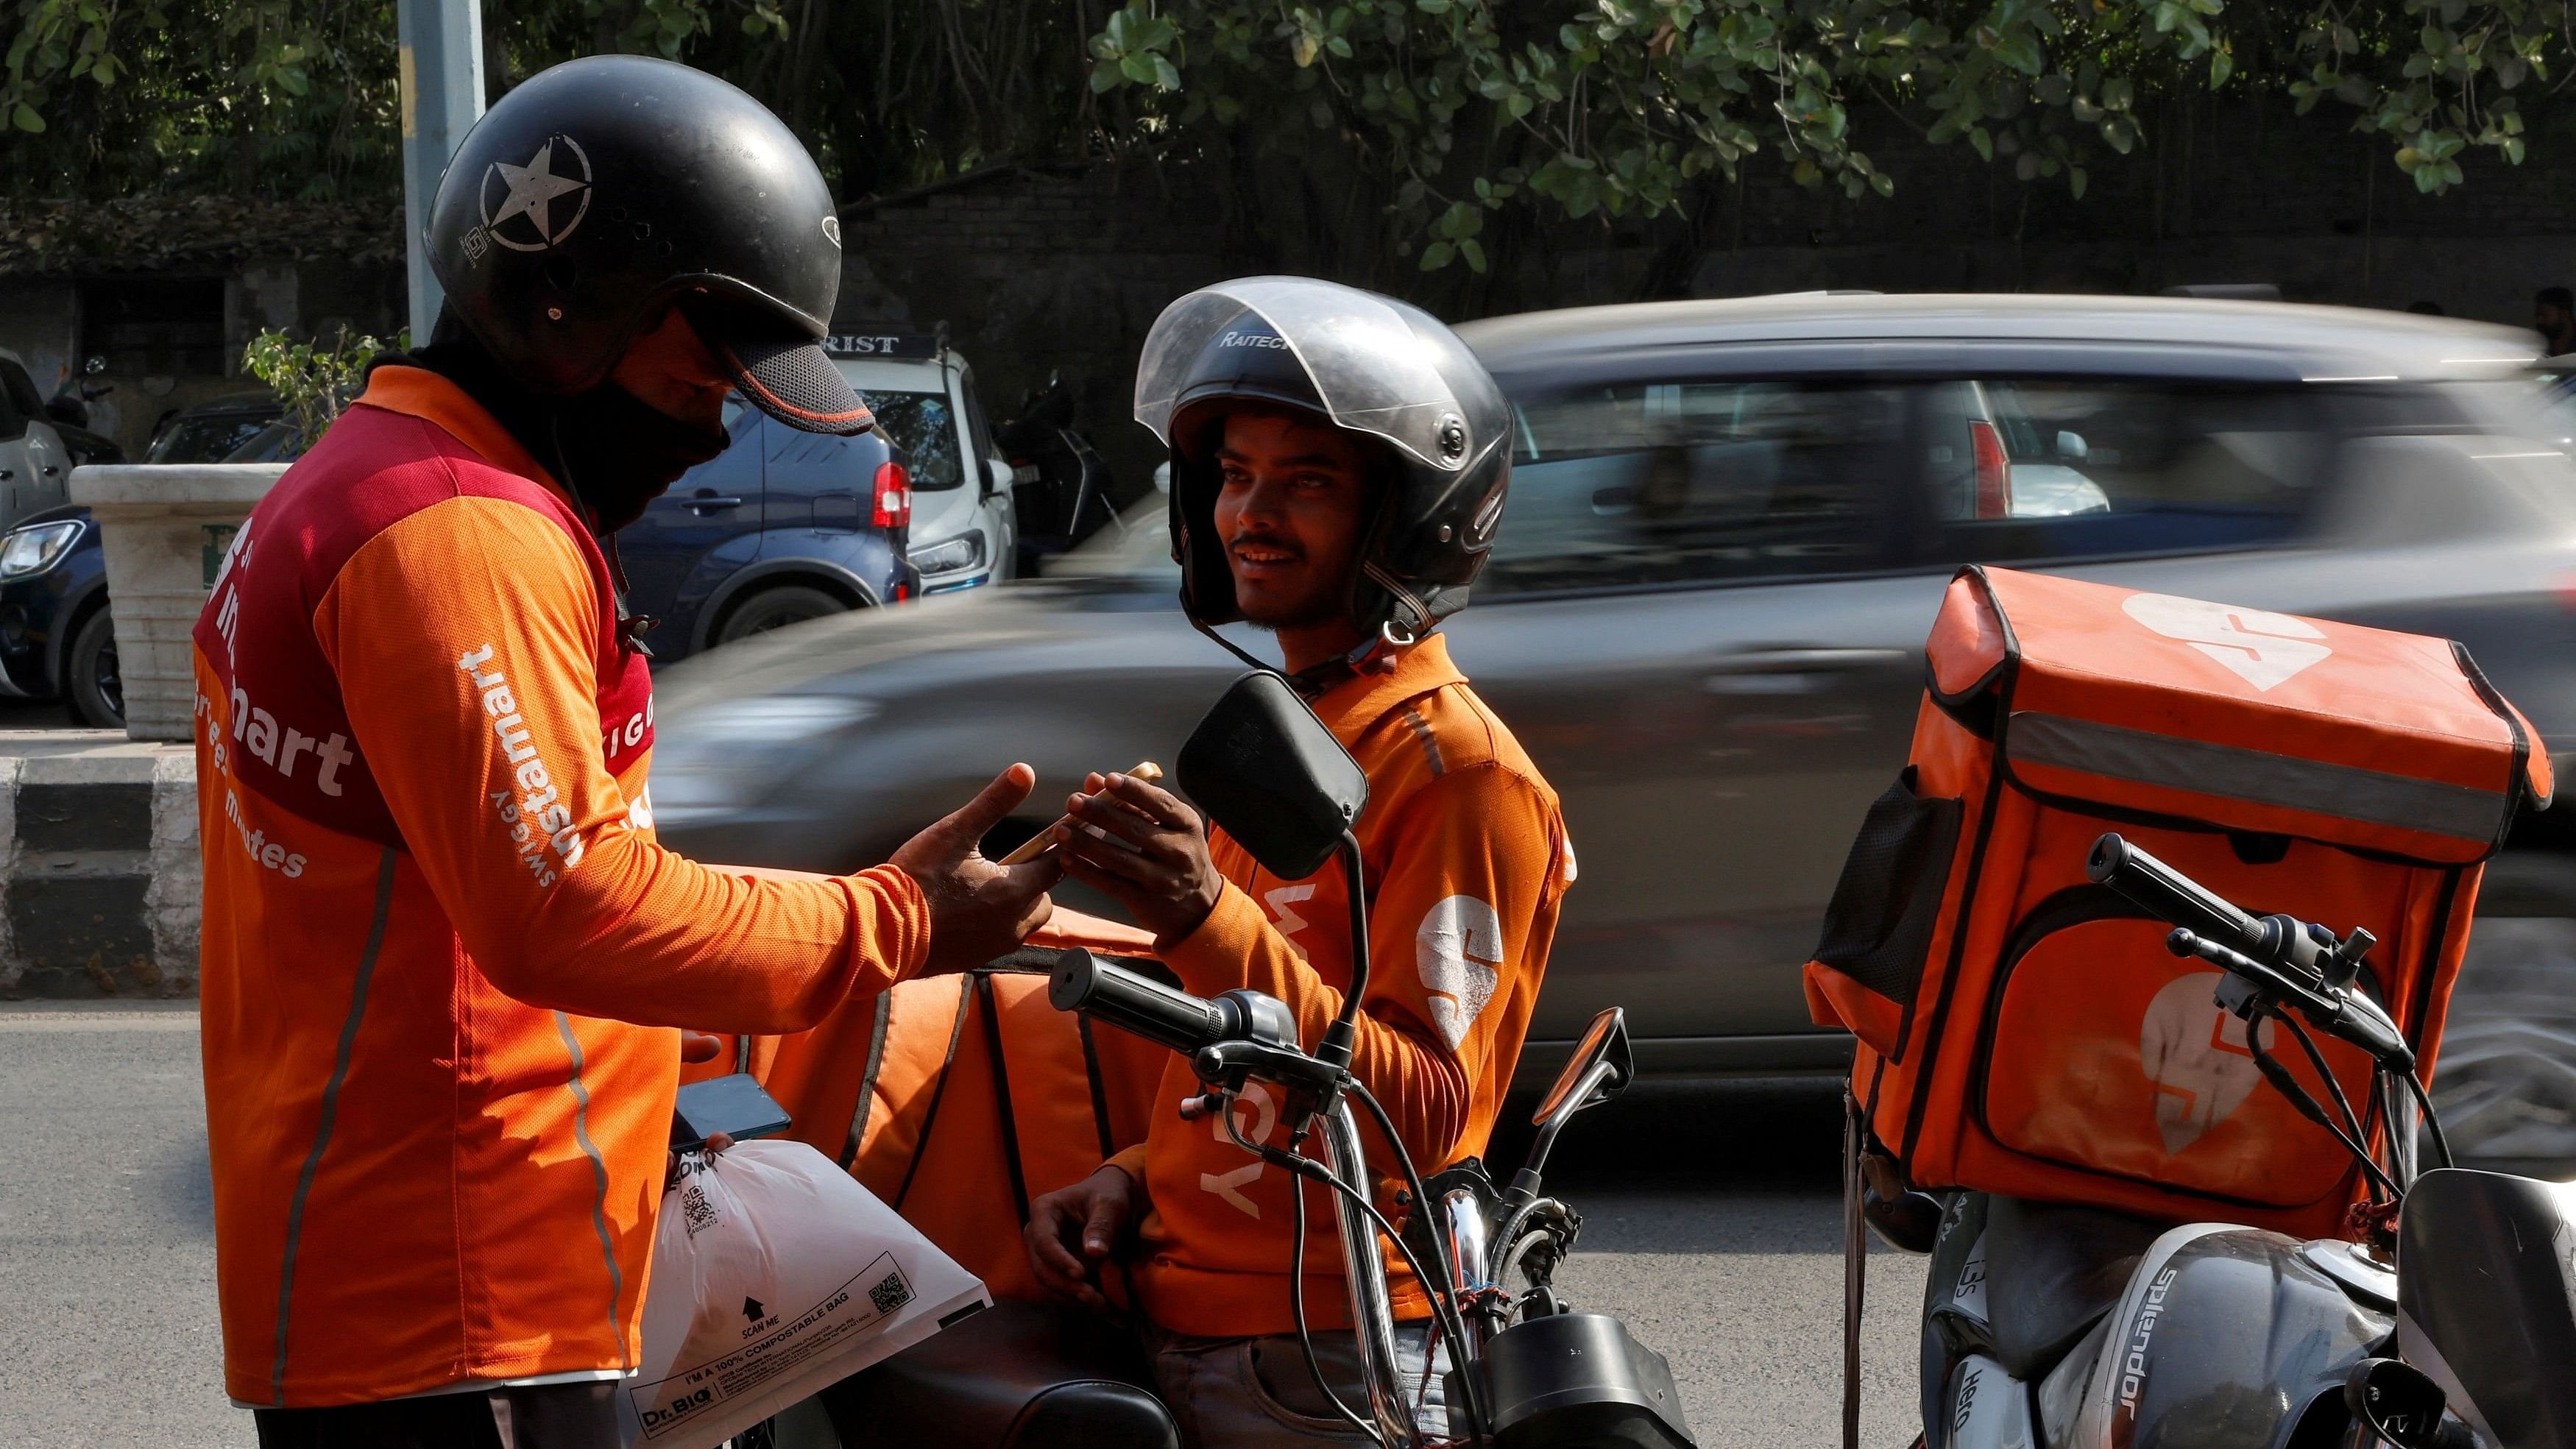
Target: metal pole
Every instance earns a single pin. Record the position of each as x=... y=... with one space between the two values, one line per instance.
x=442 y=96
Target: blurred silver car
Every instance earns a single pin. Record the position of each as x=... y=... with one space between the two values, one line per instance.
x=1730 y=524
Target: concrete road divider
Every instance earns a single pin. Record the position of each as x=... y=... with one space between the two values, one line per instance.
x=98 y=866
x=165 y=528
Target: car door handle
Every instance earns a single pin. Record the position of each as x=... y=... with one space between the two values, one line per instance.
x=706 y=503
x=51 y=470
x=1791 y=670
x=7 y=473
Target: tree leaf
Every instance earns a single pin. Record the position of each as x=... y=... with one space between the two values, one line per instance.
x=1474 y=253
x=1437 y=255
x=1167 y=76
x=2076 y=181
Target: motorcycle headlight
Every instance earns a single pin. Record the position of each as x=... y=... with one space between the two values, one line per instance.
x=962 y=552
x=29 y=551
x=726 y=757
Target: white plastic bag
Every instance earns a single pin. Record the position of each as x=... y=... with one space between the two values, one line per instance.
x=774 y=1276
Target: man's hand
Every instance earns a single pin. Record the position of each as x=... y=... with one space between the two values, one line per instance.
x=978 y=910
x=1138 y=844
x=1072 y=1230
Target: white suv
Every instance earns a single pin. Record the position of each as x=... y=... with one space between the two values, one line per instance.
x=964 y=531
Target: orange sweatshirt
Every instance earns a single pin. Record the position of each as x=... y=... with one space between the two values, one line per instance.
x=442 y=955
x=1467 y=858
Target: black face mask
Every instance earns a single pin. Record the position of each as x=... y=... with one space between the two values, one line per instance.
x=619 y=454
x=613 y=451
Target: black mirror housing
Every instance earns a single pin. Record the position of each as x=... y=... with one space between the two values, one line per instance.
x=1263 y=767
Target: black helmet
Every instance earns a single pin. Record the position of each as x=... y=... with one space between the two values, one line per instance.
x=1365 y=363
x=603 y=189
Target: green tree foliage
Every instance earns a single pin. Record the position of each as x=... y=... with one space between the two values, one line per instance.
x=300 y=99
x=1435 y=118
x=315 y=381
x=1622 y=106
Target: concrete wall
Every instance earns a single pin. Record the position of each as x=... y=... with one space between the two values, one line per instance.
x=40 y=320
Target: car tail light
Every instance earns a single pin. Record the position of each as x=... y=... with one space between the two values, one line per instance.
x=1994 y=470
x=892 y=507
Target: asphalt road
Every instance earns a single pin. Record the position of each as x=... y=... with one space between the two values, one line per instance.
x=1711 y=1225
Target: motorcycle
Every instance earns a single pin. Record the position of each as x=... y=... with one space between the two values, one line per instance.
x=1060 y=482
x=2449 y=1326
x=1527 y=1371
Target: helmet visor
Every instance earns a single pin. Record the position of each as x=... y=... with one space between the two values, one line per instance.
x=1374 y=372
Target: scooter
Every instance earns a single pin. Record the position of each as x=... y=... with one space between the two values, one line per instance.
x=1060 y=482
x=1526 y=1372
x=2450 y=1326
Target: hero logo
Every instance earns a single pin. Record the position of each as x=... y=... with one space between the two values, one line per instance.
x=2195 y=1056
x=2262 y=648
x=1459 y=953
x=2133 y=1365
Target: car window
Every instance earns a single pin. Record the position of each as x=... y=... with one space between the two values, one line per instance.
x=18 y=400
x=1679 y=482
x=924 y=425
x=2053 y=468
x=205 y=437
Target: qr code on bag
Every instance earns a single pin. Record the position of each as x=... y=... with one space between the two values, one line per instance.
x=890 y=1293
x=699 y=1213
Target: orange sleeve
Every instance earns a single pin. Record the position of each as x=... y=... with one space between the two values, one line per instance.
x=1472 y=861
x=463 y=637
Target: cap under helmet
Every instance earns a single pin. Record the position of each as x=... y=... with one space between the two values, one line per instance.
x=1362 y=362
x=599 y=191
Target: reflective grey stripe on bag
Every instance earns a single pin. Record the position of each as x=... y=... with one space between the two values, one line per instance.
x=2258 y=777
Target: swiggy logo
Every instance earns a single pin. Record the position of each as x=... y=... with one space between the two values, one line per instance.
x=2195 y=1056
x=2262 y=648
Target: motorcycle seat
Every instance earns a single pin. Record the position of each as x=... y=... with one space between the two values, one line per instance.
x=2052 y=1272
x=1014 y=1376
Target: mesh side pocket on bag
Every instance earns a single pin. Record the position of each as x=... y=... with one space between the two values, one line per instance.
x=1880 y=922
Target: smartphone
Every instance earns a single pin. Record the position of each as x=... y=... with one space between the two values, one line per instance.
x=734 y=1105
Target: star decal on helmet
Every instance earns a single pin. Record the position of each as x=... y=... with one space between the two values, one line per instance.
x=529 y=196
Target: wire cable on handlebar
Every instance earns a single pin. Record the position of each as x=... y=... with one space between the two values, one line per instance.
x=1305 y=1166
x=1297 y=1307
x=1452 y=1323
x=2432 y=1119
x=2317 y=1059
x=2314 y=1110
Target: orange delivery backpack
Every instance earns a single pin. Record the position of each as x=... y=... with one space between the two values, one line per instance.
x=2025 y=1032
x=959 y=1099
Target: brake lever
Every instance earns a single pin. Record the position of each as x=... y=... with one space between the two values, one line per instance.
x=2345 y=1017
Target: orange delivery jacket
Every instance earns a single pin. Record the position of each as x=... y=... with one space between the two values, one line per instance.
x=1466 y=860
x=443 y=959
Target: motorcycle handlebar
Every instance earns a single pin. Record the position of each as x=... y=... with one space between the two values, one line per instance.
x=2170 y=896
x=1131 y=1002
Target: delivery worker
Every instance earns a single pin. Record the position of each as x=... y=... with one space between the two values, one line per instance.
x=1338 y=467
x=444 y=960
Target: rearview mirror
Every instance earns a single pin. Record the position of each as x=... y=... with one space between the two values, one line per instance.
x=1263 y=767
x=998 y=476
x=1601 y=1067
x=2072 y=447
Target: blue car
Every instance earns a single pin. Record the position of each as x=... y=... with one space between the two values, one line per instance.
x=55 y=640
x=781 y=527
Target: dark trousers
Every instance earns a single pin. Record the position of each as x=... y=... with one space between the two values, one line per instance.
x=544 y=1416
